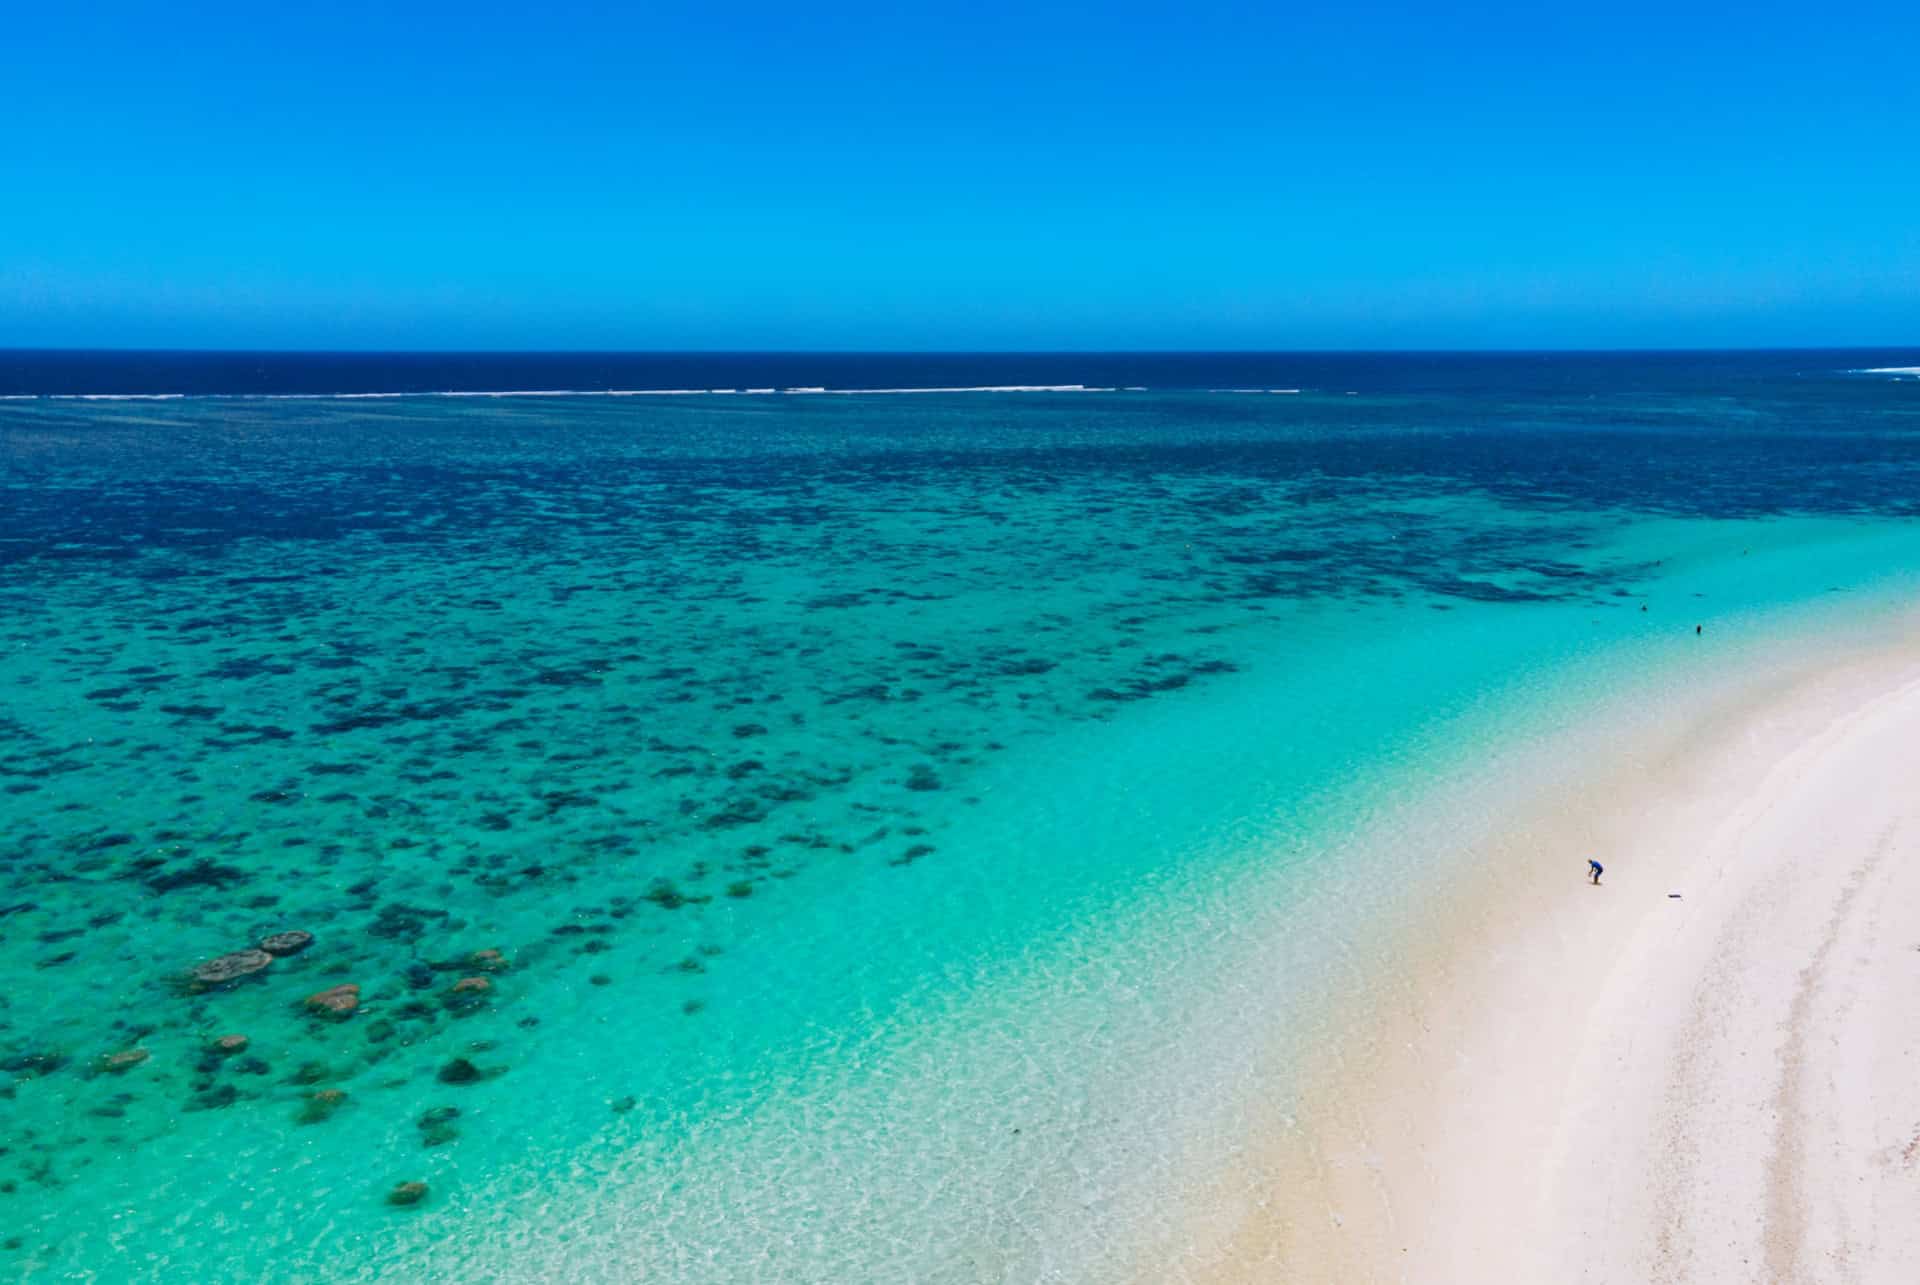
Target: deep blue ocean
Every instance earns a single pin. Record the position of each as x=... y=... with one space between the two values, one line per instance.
x=794 y=835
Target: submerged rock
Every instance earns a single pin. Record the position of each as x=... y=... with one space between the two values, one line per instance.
x=228 y=1045
x=487 y=961
x=467 y=995
x=436 y=1126
x=286 y=943
x=407 y=1193
x=230 y=968
x=469 y=992
x=663 y=894
x=460 y=1071
x=321 y=1104
x=439 y=1135
x=335 y=1002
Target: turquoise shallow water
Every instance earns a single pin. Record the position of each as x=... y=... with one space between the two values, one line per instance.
x=861 y=792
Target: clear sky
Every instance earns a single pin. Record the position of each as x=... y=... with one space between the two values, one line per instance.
x=980 y=175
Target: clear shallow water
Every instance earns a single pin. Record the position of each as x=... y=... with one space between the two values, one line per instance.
x=850 y=782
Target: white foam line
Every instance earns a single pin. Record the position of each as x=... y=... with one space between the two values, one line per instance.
x=1890 y=370
x=543 y=392
x=688 y=392
x=115 y=397
x=976 y=388
x=483 y=392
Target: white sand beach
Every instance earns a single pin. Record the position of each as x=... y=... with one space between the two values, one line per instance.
x=1706 y=1069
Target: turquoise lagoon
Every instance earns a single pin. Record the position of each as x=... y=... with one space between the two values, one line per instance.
x=920 y=829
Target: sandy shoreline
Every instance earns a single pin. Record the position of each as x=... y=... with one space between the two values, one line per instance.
x=1614 y=1084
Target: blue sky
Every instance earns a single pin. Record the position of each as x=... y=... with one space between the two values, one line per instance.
x=995 y=175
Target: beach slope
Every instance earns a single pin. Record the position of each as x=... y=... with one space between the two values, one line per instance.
x=1705 y=1069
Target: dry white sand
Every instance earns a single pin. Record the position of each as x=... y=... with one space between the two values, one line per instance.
x=1616 y=1084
